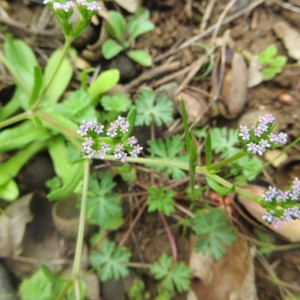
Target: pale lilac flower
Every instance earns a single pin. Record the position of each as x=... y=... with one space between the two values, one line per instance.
x=136 y=151
x=271 y=194
x=253 y=148
x=290 y=214
x=121 y=156
x=93 y=6
x=268 y=217
x=67 y=6
x=266 y=119
x=244 y=133
x=132 y=141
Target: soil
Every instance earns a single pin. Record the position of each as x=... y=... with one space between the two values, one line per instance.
x=177 y=61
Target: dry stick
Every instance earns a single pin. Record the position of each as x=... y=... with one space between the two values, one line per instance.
x=209 y=30
x=152 y=74
x=193 y=71
x=170 y=77
x=207 y=14
x=134 y=222
x=5 y=19
x=222 y=17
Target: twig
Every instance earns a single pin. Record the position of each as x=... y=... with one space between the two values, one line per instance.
x=207 y=14
x=158 y=71
x=170 y=236
x=209 y=30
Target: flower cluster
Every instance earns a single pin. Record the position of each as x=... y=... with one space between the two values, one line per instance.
x=63 y=10
x=257 y=139
x=68 y=5
x=286 y=200
x=97 y=144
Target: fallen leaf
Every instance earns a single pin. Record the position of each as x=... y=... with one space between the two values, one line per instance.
x=130 y=5
x=289 y=231
x=230 y=278
x=254 y=75
x=290 y=38
x=12 y=226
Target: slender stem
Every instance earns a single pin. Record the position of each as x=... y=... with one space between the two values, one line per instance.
x=132 y=225
x=226 y=161
x=65 y=50
x=201 y=170
x=80 y=235
x=170 y=236
x=15 y=119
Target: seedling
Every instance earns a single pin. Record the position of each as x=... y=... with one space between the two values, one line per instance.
x=272 y=64
x=123 y=34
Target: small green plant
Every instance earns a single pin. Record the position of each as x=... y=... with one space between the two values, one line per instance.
x=123 y=34
x=136 y=291
x=42 y=115
x=213 y=227
x=272 y=64
x=110 y=261
x=224 y=142
x=174 y=277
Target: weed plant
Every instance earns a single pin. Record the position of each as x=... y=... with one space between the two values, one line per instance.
x=75 y=133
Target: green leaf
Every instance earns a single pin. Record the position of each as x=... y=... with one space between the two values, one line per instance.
x=208 y=150
x=141 y=57
x=161 y=200
x=37 y=284
x=265 y=56
x=21 y=135
x=110 y=261
x=174 y=276
x=117 y=102
x=48 y=286
x=9 y=191
x=20 y=61
x=69 y=171
x=151 y=110
x=191 y=145
x=103 y=83
x=139 y=24
x=37 y=86
x=56 y=79
x=223 y=141
x=169 y=150
x=131 y=117
x=103 y=206
x=116 y=25
x=76 y=107
x=219 y=189
x=111 y=48
x=215 y=231
x=10 y=168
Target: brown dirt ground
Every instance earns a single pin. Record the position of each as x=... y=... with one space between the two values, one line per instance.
x=176 y=22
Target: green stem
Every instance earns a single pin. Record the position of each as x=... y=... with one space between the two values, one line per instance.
x=15 y=119
x=65 y=50
x=226 y=161
x=201 y=170
x=80 y=235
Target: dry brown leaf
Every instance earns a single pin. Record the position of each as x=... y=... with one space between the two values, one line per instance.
x=196 y=107
x=12 y=226
x=289 y=231
x=254 y=75
x=130 y=5
x=290 y=38
x=231 y=87
x=230 y=278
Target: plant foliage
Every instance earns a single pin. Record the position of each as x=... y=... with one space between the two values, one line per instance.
x=215 y=232
x=110 y=261
x=169 y=149
x=175 y=277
